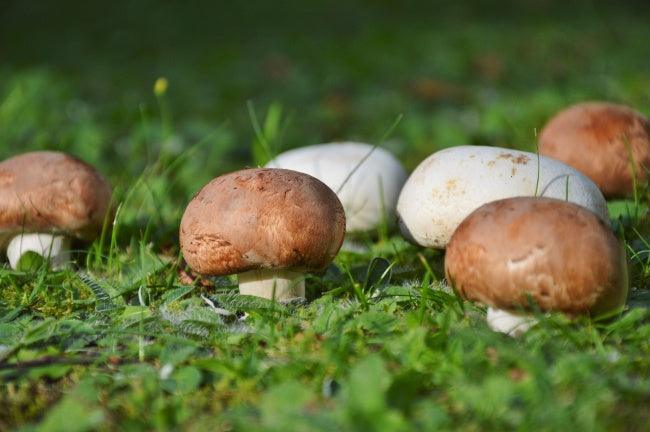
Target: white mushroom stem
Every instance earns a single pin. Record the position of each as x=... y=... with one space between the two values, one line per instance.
x=507 y=322
x=54 y=248
x=272 y=284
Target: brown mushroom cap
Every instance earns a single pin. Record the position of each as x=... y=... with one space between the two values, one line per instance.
x=48 y=191
x=262 y=218
x=555 y=253
x=596 y=138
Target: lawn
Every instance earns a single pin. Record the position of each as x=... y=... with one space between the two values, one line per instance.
x=164 y=97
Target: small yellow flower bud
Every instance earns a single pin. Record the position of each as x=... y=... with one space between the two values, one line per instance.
x=160 y=87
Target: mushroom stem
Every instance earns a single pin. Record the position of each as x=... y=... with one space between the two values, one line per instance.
x=512 y=324
x=54 y=248
x=278 y=284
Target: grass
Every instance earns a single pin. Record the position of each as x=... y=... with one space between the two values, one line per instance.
x=163 y=98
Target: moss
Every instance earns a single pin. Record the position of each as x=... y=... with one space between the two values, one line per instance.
x=55 y=295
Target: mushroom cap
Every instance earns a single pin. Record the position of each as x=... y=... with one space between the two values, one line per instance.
x=51 y=192
x=596 y=138
x=262 y=218
x=555 y=253
x=451 y=183
x=370 y=194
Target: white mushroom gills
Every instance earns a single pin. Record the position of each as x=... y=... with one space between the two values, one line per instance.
x=54 y=248
x=279 y=285
x=509 y=323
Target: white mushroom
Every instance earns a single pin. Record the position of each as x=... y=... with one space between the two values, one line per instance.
x=366 y=179
x=47 y=199
x=607 y=142
x=523 y=254
x=450 y=184
x=268 y=226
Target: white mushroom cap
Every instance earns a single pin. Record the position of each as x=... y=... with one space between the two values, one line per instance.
x=370 y=194
x=450 y=184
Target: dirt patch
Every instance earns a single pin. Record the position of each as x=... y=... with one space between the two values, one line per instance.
x=518 y=159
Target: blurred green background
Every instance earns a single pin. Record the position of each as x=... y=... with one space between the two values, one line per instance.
x=78 y=76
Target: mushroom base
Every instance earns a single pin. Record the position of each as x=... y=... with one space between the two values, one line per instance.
x=54 y=248
x=512 y=324
x=272 y=284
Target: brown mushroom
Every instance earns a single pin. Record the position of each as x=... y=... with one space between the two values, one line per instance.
x=268 y=226
x=601 y=140
x=521 y=253
x=47 y=198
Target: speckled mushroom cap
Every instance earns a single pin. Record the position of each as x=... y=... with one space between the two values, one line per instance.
x=262 y=218
x=555 y=253
x=596 y=138
x=47 y=191
x=451 y=183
